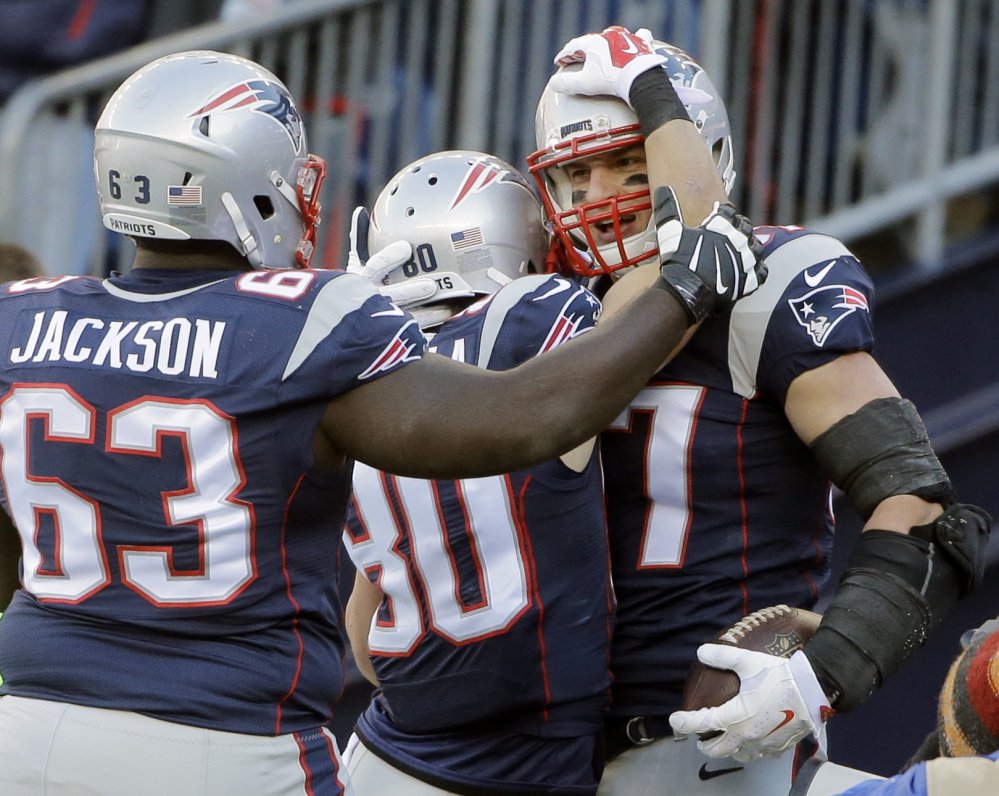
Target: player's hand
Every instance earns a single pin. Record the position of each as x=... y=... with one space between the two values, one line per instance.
x=375 y=267
x=711 y=266
x=611 y=61
x=372 y=266
x=779 y=704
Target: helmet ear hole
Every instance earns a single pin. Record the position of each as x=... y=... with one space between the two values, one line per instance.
x=204 y=125
x=717 y=150
x=264 y=206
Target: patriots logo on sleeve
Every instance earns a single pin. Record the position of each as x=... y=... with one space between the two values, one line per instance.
x=400 y=350
x=565 y=328
x=572 y=321
x=266 y=97
x=821 y=310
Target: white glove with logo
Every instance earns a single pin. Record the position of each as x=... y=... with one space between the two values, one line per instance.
x=611 y=61
x=779 y=704
x=375 y=267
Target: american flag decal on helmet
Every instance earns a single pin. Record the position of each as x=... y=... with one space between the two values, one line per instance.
x=266 y=97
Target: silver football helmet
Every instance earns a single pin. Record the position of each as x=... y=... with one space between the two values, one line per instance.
x=569 y=127
x=209 y=146
x=474 y=223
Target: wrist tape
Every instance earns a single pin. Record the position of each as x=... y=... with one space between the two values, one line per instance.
x=655 y=101
x=897 y=587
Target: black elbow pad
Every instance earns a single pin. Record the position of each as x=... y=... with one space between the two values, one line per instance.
x=879 y=451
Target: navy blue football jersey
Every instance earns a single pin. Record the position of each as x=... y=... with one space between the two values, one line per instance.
x=497 y=602
x=179 y=547
x=715 y=507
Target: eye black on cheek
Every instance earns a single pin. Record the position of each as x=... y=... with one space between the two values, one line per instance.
x=637 y=179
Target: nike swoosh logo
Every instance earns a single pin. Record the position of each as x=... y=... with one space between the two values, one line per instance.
x=692 y=264
x=629 y=47
x=560 y=286
x=705 y=773
x=385 y=313
x=813 y=279
x=788 y=716
x=720 y=285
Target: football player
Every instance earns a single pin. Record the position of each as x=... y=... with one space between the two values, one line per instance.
x=484 y=603
x=176 y=446
x=718 y=474
x=481 y=608
x=16 y=263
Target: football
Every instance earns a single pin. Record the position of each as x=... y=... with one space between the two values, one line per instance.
x=779 y=630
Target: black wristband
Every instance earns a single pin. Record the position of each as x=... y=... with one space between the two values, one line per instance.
x=696 y=297
x=655 y=100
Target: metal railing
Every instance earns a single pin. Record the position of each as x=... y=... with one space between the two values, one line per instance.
x=854 y=116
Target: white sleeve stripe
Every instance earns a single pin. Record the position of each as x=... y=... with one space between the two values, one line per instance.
x=751 y=315
x=503 y=301
x=335 y=300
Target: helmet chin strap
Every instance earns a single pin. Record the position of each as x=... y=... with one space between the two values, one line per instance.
x=286 y=190
x=431 y=315
x=246 y=239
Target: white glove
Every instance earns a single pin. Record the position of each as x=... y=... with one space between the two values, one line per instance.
x=779 y=703
x=376 y=266
x=611 y=61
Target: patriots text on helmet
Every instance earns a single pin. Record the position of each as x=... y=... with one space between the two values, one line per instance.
x=131 y=227
x=575 y=127
x=172 y=347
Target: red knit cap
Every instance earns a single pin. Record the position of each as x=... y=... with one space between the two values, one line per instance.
x=969 y=700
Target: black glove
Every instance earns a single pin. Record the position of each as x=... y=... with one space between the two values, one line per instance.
x=711 y=266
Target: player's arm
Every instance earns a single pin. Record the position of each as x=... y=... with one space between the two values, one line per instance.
x=818 y=399
x=437 y=418
x=677 y=157
x=919 y=553
x=361 y=606
x=10 y=553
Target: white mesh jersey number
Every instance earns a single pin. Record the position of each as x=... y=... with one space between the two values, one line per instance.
x=490 y=529
x=666 y=468
x=80 y=567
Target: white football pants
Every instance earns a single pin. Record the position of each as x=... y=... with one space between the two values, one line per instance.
x=69 y=750
x=673 y=766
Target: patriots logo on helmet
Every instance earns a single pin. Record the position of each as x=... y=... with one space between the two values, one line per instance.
x=821 y=310
x=260 y=96
x=480 y=176
x=680 y=67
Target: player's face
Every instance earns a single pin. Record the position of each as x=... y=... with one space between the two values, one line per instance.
x=601 y=177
